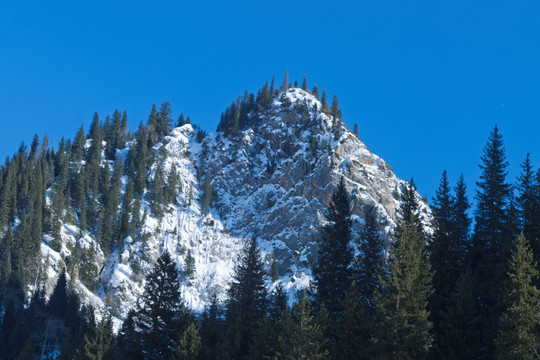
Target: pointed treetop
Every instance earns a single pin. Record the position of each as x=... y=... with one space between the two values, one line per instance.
x=304 y=83
x=285 y=84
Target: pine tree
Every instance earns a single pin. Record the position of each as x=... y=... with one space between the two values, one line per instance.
x=324 y=105
x=516 y=326
x=247 y=301
x=369 y=264
x=460 y=323
x=355 y=129
x=129 y=345
x=332 y=272
x=304 y=83
x=356 y=327
x=189 y=267
x=98 y=341
x=528 y=203
x=160 y=312
x=189 y=344
x=315 y=92
x=302 y=337
x=493 y=235
x=445 y=257
x=285 y=84
x=405 y=329
x=274 y=271
x=212 y=332
x=181 y=121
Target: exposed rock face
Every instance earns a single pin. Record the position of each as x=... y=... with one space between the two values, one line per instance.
x=271 y=182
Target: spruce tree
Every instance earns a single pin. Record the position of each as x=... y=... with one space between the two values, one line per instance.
x=304 y=83
x=402 y=301
x=302 y=337
x=459 y=336
x=247 y=301
x=212 y=332
x=528 y=204
x=160 y=311
x=98 y=340
x=516 y=338
x=443 y=254
x=356 y=327
x=332 y=272
x=369 y=264
x=493 y=235
x=189 y=344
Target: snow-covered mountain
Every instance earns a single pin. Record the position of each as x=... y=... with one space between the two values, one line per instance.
x=272 y=182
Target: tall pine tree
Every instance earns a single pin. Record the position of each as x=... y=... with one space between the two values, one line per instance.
x=516 y=327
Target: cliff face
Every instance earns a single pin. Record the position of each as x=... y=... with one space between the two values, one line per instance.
x=272 y=181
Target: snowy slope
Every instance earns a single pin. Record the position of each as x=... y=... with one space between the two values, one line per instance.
x=271 y=182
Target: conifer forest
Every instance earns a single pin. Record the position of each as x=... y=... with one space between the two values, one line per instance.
x=88 y=270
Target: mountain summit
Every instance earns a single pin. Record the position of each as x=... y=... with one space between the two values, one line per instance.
x=267 y=174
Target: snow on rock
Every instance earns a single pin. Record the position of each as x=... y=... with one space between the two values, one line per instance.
x=271 y=182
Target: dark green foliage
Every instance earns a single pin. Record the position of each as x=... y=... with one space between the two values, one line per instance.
x=304 y=83
x=247 y=301
x=160 y=313
x=448 y=248
x=98 y=339
x=405 y=330
x=129 y=346
x=207 y=195
x=332 y=272
x=460 y=328
x=274 y=272
x=356 y=327
x=368 y=266
x=302 y=337
x=212 y=332
x=189 y=344
x=189 y=266
x=528 y=205
x=494 y=234
x=285 y=83
x=516 y=326
x=181 y=121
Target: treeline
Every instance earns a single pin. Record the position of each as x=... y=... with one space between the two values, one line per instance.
x=246 y=110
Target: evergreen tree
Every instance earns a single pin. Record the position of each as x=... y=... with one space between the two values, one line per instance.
x=302 y=337
x=516 y=327
x=332 y=272
x=315 y=92
x=355 y=129
x=356 y=327
x=460 y=327
x=493 y=235
x=285 y=84
x=181 y=121
x=304 y=83
x=369 y=264
x=274 y=271
x=129 y=345
x=212 y=332
x=445 y=253
x=324 y=104
x=189 y=344
x=247 y=301
x=189 y=267
x=405 y=329
x=164 y=120
x=528 y=203
x=98 y=340
x=160 y=312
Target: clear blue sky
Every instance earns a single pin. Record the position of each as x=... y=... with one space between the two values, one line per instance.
x=425 y=80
